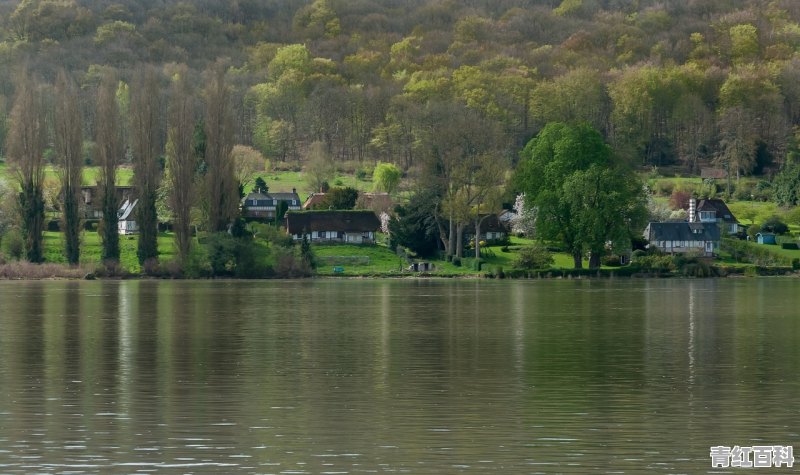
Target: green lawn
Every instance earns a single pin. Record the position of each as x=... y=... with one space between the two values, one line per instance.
x=91 y=249
x=358 y=260
x=355 y=259
x=284 y=181
x=124 y=174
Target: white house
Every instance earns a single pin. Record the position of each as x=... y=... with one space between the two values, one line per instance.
x=126 y=224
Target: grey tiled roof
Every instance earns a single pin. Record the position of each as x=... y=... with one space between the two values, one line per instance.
x=682 y=231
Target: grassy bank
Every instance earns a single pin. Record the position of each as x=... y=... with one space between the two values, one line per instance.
x=91 y=249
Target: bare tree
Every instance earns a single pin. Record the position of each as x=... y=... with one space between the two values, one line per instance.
x=145 y=133
x=488 y=192
x=319 y=169
x=181 y=161
x=26 y=140
x=69 y=155
x=453 y=140
x=221 y=187
x=108 y=137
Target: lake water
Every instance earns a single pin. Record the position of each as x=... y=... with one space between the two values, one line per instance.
x=409 y=376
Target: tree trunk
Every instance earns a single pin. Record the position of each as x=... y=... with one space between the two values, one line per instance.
x=594 y=260
x=478 y=238
x=460 y=240
x=577 y=257
x=443 y=237
x=451 y=238
x=478 y=223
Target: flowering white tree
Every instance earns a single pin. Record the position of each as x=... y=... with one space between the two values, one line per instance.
x=385 y=218
x=525 y=220
x=658 y=211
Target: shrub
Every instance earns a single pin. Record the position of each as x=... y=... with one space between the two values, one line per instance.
x=13 y=244
x=775 y=225
x=753 y=230
x=790 y=245
x=612 y=260
x=743 y=191
x=288 y=265
x=197 y=264
x=456 y=261
x=221 y=249
x=655 y=263
x=664 y=187
x=111 y=268
x=151 y=267
x=27 y=270
x=748 y=252
x=533 y=257
x=761 y=194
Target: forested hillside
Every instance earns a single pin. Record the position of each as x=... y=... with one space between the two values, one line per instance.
x=667 y=82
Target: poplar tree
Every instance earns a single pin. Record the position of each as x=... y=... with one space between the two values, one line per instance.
x=221 y=188
x=145 y=133
x=26 y=141
x=69 y=156
x=181 y=161
x=108 y=137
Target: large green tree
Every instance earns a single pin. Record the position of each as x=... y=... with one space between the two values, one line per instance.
x=585 y=198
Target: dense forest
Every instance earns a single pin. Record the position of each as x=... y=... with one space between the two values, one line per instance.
x=667 y=82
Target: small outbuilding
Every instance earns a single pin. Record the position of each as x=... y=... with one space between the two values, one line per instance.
x=766 y=238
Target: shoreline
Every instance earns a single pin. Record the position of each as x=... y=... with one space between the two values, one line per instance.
x=21 y=270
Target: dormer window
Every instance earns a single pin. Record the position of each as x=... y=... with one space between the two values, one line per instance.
x=707 y=216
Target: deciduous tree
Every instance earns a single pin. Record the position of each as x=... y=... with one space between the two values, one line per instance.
x=26 y=141
x=386 y=177
x=146 y=138
x=181 y=161
x=222 y=191
x=584 y=197
x=69 y=158
x=108 y=137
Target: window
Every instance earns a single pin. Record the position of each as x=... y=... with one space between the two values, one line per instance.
x=708 y=216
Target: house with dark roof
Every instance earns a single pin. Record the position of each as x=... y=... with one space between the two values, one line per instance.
x=713 y=174
x=492 y=229
x=351 y=226
x=258 y=205
x=91 y=199
x=714 y=211
x=681 y=237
